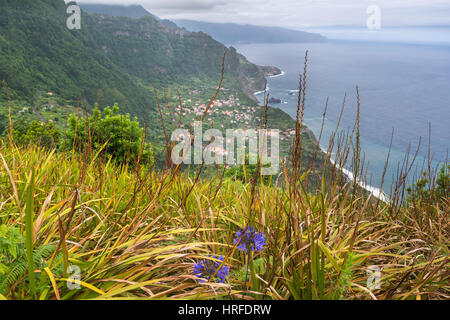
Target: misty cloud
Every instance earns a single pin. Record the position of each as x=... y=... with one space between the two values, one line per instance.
x=297 y=13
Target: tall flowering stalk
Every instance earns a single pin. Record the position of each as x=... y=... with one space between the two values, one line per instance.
x=249 y=240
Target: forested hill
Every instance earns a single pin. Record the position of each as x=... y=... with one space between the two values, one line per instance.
x=116 y=58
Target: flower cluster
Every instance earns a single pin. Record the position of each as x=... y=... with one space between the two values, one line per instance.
x=211 y=266
x=249 y=238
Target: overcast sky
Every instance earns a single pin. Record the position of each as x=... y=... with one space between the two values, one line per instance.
x=297 y=13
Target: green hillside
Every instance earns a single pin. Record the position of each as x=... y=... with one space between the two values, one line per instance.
x=47 y=68
x=38 y=52
x=116 y=58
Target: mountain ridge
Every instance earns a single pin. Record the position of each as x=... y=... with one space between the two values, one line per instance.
x=233 y=33
x=131 y=11
x=117 y=58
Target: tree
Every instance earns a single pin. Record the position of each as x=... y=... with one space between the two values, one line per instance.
x=245 y=173
x=122 y=135
x=422 y=188
x=38 y=133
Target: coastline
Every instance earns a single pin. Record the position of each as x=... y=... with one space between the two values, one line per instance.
x=282 y=73
x=257 y=93
x=376 y=192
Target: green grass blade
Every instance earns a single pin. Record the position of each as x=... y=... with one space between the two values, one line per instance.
x=29 y=233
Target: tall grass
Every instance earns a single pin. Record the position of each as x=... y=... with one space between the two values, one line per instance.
x=135 y=232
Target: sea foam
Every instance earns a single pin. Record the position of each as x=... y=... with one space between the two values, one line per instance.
x=376 y=192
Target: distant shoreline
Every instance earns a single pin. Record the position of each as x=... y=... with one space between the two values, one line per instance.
x=376 y=192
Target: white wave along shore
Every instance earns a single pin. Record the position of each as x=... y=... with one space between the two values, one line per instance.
x=267 y=87
x=262 y=91
x=278 y=75
x=376 y=192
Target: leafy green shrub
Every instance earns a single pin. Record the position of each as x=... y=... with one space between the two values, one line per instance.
x=39 y=133
x=246 y=173
x=119 y=135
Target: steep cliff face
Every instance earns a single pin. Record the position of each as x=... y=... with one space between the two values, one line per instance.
x=251 y=77
x=270 y=71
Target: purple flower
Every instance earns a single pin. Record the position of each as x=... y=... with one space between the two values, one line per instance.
x=249 y=238
x=206 y=268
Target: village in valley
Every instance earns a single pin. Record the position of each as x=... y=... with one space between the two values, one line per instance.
x=226 y=113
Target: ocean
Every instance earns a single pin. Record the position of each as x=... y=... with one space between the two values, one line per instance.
x=403 y=87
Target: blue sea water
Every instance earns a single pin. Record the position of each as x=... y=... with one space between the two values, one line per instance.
x=403 y=87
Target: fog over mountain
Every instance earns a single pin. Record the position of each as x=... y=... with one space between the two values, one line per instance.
x=297 y=14
x=228 y=33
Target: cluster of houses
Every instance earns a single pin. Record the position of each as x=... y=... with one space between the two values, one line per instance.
x=230 y=109
x=287 y=134
x=225 y=111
